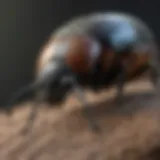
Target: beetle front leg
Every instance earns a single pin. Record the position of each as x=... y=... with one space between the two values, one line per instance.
x=86 y=110
x=31 y=119
x=34 y=111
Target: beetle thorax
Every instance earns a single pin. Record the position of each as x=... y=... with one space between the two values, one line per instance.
x=79 y=53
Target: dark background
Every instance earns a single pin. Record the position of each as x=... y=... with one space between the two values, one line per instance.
x=26 y=24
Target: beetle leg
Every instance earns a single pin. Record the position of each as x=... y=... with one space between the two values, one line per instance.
x=32 y=116
x=154 y=75
x=128 y=64
x=155 y=79
x=120 y=86
x=122 y=77
x=86 y=110
x=31 y=119
x=154 y=70
x=154 y=65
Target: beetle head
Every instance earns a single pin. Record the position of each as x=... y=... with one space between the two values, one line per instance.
x=55 y=81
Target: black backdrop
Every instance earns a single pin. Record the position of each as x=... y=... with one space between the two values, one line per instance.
x=25 y=25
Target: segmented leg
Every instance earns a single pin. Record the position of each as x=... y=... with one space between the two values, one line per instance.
x=129 y=64
x=32 y=116
x=86 y=110
x=155 y=79
x=121 y=78
x=31 y=119
x=154 y=76
x=120 y=86
x=154 y=65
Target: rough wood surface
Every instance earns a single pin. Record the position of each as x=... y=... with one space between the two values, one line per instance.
x=129 y=132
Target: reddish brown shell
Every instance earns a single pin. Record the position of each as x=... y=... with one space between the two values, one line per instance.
x=134 y=63
x=80 y=52
x=107 y=58
x=83 y=53
x=137 y=63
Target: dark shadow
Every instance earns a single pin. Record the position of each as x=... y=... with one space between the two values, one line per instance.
x=154 y=154
x=131 y=104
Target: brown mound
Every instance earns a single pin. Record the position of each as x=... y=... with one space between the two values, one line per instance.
x=129 y=132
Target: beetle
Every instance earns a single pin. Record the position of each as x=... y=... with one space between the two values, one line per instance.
x=94 y=51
